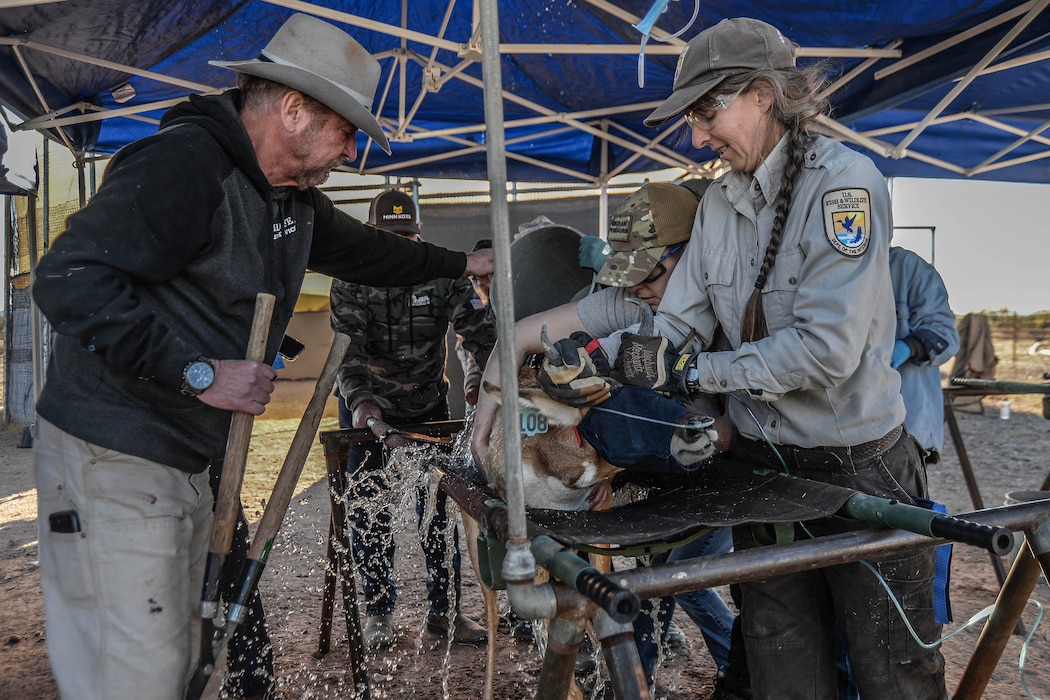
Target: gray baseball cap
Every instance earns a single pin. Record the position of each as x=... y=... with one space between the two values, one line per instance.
x=731 y=47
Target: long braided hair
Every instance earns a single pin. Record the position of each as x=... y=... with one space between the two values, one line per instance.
x=796 y=103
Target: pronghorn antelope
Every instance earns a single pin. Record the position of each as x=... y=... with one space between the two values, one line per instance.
x=560 y=470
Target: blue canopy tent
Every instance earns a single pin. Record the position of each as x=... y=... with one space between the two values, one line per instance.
x=953 y=89
x=948 y=89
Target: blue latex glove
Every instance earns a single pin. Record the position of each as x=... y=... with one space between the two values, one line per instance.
x=593 y=252
x=901 y=354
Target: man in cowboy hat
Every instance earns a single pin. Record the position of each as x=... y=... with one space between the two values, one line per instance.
x=151 y=291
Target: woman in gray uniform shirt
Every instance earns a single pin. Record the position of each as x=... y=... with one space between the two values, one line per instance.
x=790 y=256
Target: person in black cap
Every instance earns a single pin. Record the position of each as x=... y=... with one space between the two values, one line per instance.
x=150 y=291
x=790 y=260
x=394 y=372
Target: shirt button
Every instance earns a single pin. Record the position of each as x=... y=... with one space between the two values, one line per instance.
x=792 y=280
x=752 y=262
x=772 y=424
x=723 y=383
x=705 y=276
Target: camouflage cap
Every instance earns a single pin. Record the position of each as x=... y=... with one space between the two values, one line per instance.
x=655 y=217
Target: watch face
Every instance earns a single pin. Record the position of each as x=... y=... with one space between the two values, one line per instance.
x=199 y=376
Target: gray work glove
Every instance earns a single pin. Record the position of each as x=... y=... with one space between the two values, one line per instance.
x=693 y=443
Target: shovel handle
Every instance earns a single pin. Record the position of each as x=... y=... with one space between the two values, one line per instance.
x=284 y=487
x=236 y=459
x=303 y=440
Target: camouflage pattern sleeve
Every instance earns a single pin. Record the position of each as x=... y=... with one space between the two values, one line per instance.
x=472 y=321
x=350 y=316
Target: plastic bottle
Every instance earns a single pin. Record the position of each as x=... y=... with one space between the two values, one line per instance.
x=1004 y=409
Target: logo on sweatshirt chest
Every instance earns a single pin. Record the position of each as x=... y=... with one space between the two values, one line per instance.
x=283 y=228
x=420 y=300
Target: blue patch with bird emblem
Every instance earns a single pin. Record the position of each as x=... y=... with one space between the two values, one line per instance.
x=847 y=216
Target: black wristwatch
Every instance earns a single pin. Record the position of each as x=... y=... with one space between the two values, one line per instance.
x=692 y=378
x=197 y=377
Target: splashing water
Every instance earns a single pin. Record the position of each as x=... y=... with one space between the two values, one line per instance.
x=407 y=485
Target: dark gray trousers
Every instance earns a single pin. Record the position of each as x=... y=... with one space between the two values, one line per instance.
x=790 y=622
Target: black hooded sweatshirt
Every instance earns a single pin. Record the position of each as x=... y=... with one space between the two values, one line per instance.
x=162 y=267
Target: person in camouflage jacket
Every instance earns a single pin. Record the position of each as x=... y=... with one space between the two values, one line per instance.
x=394 y=371
x=398 y=354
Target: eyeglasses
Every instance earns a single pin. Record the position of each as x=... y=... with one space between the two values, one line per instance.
x=704 y=116
x=660 y=269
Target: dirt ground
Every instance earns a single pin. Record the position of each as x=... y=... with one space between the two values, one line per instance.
x=1007 y=455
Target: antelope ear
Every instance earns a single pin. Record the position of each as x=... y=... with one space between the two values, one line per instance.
x=556 y=412
x=492 y=391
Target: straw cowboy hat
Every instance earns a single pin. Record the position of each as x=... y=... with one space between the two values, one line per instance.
x=324 y=62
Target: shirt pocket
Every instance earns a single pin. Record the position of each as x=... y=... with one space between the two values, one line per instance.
x=719 y=273
x=429 y=317
x=778 y=296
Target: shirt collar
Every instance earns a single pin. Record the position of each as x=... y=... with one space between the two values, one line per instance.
x=769 y=177
x=762 y=187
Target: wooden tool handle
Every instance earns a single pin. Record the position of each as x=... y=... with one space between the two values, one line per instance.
x=236 y=459
x=292 y=468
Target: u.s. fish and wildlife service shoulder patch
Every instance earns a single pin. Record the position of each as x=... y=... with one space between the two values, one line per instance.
x=847 y=215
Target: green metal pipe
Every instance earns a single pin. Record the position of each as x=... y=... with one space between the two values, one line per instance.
x=621 y=604
x=902 y=516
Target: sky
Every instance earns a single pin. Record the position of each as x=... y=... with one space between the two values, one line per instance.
x=991 y=241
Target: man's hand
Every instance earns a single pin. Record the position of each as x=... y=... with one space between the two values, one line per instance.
x=471 y=396
x=368 y=415
x=240 y=385
x=652 y=362
x=573 y=370
x=363 y=411
x=693 y=443
x=479 y=263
